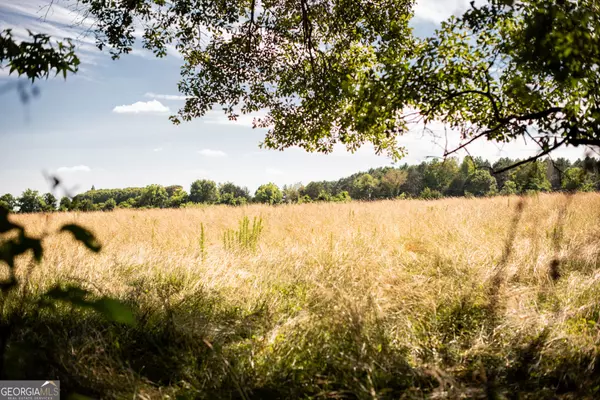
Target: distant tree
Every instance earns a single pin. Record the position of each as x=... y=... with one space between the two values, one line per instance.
x=178 y=197
x=555 y=170
x=172 y=189
x=85 y=205
x=305 y=199
x=324 y=196
x=498 y=166
x=291 y=193
x=269 y=194
x=531 y=177
x=480 y=183
x=365 y=185
x=577 y=179
x=438 y=175
x=342 y=197
x=93 y=188
x=154 y=196
x=50 y=202
x=428 y=194
x=414 y=181
x=109 y=205
x=589 y=164
x=393 y=180
x=230 y=199
x=30 y=202
x=233 y=195
x=457 y=186
x=468 y=166
x=65 y=204
x=204 y=191
x=509 y=188
x=129 y=203
x=313 y=189
x=480 y=163
x=8 y=201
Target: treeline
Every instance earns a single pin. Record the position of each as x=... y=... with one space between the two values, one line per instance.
x=428 y=180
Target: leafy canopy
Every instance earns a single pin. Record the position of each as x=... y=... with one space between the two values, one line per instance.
x=313 y=65
x=350 y=71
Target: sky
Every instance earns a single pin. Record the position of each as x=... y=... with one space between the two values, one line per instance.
x=108 y=125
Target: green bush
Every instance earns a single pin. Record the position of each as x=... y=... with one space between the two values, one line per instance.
x=428 y=194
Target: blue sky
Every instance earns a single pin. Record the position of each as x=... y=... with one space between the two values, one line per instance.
x=108 y=125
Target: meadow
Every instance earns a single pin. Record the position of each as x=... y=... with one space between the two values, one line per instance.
x=453 y=298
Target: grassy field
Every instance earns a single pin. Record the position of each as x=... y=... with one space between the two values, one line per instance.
x=456 y=298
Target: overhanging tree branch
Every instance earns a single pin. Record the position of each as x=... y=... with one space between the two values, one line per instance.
x=530 y=159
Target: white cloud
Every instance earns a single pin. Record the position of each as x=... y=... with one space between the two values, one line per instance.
x=139 y=107
x=216 y=116
x=158 y=149
x=273 y=171
x=165 y=96
x=439 y=10
x=76 y=168
x=212 y=153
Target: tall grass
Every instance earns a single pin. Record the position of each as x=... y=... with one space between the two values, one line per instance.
x=455 y=298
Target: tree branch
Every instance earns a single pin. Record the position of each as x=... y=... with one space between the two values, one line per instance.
x=474 y=138
x=530 y=159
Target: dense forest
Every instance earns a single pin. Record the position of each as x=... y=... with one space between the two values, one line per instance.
x=428 y=180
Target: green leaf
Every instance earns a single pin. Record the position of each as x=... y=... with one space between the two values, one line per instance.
x=84 y=236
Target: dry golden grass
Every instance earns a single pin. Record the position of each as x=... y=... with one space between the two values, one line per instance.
x=440 y=280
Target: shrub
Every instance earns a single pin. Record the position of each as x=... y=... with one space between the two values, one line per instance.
x=342 y=197
x=428 y=194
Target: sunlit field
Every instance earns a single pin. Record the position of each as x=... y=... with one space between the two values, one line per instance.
x=455 y=298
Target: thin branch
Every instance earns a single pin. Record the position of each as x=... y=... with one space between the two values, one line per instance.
x=474 y=138
x=535 y=115
x=530 y=159
x=307 y=29
x=251 y=25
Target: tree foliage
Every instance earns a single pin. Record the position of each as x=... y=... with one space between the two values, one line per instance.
x=154 y=196
x=347 y=72
x=30 y=202
x=428 y=180
x=230 y=193
x=480 y=183
x=312 y=65
x=269 y=194
x=204 y=191
x=8 y=202
x=38 y=57
x=393 y=180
